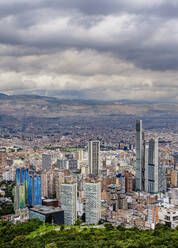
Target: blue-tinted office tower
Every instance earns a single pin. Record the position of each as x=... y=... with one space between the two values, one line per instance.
x=22 y=179
x=18 y=177
x=34 y=190
x=21 y=176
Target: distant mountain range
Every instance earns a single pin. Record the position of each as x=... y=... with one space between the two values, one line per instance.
x=35 y=105
x=34 y=114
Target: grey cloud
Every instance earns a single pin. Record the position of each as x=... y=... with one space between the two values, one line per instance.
x=120 y=48
x=134 y=40
x=93 y=7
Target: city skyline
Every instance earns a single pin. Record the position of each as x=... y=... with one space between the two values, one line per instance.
x=88 y=123
x=132 y=182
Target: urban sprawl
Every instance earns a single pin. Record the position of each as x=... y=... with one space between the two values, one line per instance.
x=133 y=183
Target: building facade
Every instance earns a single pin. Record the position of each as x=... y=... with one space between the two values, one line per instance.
x=69 y=202
x=153 y=167
x=46 y=161
x=94 y=157
x=19 y=196
x=34 y=190
x=139 y=156
x=93 y=203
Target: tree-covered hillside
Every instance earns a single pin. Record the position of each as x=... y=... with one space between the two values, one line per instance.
x=35 y=234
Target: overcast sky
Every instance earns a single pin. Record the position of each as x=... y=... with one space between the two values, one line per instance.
x=91 y=49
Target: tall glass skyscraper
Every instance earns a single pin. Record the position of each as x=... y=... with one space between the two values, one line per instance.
x=150 y=174
x=22 y=179
x=146 y=154
x=19 y=196
x=139 y=156
x=34 y=190
x=153 y=162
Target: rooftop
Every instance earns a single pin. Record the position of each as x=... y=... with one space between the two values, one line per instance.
x=45 y=209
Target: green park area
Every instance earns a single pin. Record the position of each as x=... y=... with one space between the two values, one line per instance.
x=34 y=233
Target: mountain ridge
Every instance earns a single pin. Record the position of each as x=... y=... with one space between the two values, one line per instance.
x=36 y=105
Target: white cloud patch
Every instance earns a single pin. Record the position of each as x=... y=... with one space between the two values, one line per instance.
x=105 y=49
x=85 y=71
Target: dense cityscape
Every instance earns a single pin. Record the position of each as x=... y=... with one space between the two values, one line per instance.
x=130 y=184
x=88 y=124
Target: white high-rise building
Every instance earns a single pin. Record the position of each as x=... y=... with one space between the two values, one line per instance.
x=69 y=203
x=93 y=203
x=94 y=157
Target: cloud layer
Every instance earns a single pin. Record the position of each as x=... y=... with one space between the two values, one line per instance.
x=102 y=49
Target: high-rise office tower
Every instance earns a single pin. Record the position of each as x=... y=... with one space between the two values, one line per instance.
x=49 y=182
x=21 y=175
x=69 y=203
x=34 y=190
x=146 y=154
x=46 y=161
x=161 y=178
x=19 y=196
x=139 y=156
x=129 y=178
x=3 y=161
x=22 y=179
x=148 y=166
x=94 y=157
x=44 y=184
x=59 y=182
x=175 y=161
x=153 y=166
x=93 y=203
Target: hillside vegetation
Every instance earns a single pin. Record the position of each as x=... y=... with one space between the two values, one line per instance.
x=27 y=235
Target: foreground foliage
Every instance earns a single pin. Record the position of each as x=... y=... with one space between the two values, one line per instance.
x=7 y=207
x=22 y=235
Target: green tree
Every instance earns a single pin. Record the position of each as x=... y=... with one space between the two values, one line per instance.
x=62 y=228
x=121 y=227
x=108 y=226
x=51 y=245
x=19 y=241
x=78 y=222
